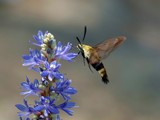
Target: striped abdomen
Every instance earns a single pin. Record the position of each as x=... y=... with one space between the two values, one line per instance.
x=102 y=71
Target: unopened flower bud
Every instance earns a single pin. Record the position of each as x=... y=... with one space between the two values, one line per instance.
x=46 y=40
x=44 y=46
x=50 y=36
x=42 y=87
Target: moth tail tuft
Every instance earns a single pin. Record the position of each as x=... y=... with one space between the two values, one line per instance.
x=105 y=79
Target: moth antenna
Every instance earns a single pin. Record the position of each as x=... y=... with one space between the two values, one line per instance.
x=85 y=31
x=78 y=40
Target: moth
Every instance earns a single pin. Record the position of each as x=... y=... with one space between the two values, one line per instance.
x=94 y=54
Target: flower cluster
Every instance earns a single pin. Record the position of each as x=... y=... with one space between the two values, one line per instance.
x=53 y=90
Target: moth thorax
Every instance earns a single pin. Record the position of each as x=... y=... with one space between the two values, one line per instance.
x=87 y=50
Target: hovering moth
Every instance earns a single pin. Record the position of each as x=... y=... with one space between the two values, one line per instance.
x=94 y=54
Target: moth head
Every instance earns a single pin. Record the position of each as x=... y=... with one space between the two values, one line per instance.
x=80 y=48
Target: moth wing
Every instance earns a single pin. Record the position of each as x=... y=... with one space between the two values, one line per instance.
x=94 y=57
x=105 y=48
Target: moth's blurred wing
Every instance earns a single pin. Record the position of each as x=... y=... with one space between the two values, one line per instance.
x=105 y=48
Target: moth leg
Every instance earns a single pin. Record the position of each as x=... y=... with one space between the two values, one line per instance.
x=89 y=64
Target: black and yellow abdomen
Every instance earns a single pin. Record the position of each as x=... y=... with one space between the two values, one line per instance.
x=101 y=70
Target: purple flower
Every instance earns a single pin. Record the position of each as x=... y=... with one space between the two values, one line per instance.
x=63 y=88
x=48 y=106
x=25 y=110
x=65 y=107
x=33 y=59
x=51 y=70
x=62 y=52
x=39 y=38
x=30 y=88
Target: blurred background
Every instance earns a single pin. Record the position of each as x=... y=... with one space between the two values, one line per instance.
x=134 y=89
